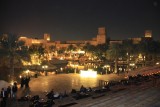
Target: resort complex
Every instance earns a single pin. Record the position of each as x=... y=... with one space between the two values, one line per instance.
x=46 y=73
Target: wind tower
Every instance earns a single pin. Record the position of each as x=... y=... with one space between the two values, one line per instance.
x=101 y=37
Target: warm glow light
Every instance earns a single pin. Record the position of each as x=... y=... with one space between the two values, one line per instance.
x=61 y=58
x=44 y=66
x=35 y=41
x=48 y=39
x=157 y=63
x=81 y=52
x=88 y=73
x=27 y=71
x=132 y=64
x=61 y=69
x=140 y=56
x=35 y=60
x=106 y=66
x=126 y=77
x=12 y=82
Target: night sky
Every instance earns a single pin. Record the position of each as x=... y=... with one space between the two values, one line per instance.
x=80 y=19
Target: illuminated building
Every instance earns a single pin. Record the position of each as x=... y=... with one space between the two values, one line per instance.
x=46 y=41
x=136 y=40
x=31 y=41
x=115 y=42
x=148 y=34
x=47 y=37
x=101 y=37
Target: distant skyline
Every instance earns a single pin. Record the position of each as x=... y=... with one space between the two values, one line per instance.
x=80 y=19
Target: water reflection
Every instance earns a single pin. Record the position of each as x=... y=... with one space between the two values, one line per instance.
x=64 y=82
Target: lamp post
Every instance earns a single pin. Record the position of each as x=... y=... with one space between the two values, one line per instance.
x=45 y=67
x=107 y=68
x=27 y=72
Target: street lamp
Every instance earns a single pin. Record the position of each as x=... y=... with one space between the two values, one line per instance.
x=107 y=68
x=20 y=76
x=27 y=72
x=61 y=69
x=45 y=67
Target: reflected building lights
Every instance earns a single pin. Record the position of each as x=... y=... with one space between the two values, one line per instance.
x=88 y=73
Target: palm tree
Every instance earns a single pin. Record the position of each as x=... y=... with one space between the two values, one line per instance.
x=37 y=50
x=89 y=49
x=11 y=47
x=78 y=46
x=101 y=51
x=52 y=48
x=71 y=48
x=153 y=49
x=61 y=50
x=114 y=52
x=143 y=48
x=129 y=49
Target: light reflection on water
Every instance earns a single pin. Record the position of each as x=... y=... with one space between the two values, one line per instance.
x=62 y=82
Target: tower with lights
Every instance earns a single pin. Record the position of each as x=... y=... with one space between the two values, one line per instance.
x=47 y=37
x=148 y=34
x=101 y=37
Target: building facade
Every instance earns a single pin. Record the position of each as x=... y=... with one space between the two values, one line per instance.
x=101 y=38
x=46 y=41
x=148 y=34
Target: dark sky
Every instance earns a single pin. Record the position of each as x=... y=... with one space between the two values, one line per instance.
x=79 y=19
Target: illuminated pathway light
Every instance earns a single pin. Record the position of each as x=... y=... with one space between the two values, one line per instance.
x=12 y=82
x=88 y=73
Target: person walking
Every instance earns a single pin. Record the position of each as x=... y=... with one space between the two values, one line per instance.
x=27 y=79
x=3 y=97
x=9 y=92
x=22 y=82
x=14 y=90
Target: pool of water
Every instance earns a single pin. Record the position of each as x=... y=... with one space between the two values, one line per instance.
x=67 y=82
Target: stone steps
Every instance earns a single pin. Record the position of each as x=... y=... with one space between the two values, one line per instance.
x=125 y=98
